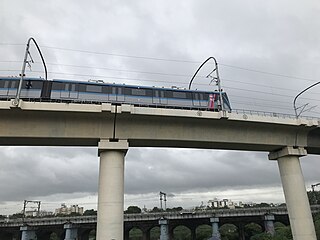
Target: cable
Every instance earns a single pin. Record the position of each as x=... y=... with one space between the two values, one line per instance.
x=158 y=73
x=121 y=55
x=268 y=73
x=178 y=60
x=168 y=60
x=166 y=74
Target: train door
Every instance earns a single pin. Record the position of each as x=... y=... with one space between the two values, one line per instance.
x=196 y=99
x=120 y=94
x=69 y=91
x=4 y=88
x=163 y=97
x=12 y=87
x=155 y=96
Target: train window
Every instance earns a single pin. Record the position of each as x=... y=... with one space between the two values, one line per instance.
x=94 y=88
x=2 y=84
x=156 y=93
x=179 y=94
x=127 y=91
x=82 y=88
x=28 y=85
x=204 y=96
x=66 y=87
x=162 y=94
x=189 y=95
x=37 y=84
x=114 y=90
x=56 y=86
x=138 y=92
x=120 y=90
x=73 y=87
x=13 y=83
x=149 y=92
x=6 y=84
x=106 y=89
x=168 y=94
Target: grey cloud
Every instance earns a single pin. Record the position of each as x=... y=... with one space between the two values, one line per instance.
x=271 y=36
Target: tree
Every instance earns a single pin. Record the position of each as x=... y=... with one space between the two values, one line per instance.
x=174 y=209
x=229 y=232
x=90 y=212
x=133 y=209
x=263 y=205
x=156 y=209
x=17 y=215
x=262 y=236
x=314 y=197
x=252 y=229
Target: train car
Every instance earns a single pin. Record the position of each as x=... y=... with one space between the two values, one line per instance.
x=97 y=91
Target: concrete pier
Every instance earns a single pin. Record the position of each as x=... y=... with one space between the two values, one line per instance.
x=71 y=231
x=269 y=224
x=164 y=229
x=300 y=217
x=111 y=190
x=28 y=233
x=215 y=228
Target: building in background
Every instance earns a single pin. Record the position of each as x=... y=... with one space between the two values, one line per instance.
x=64 y=210
x=224 y=203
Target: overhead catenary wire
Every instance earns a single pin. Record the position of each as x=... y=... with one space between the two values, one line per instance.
x=273 y=90
x=166 y=60
x=153 y=73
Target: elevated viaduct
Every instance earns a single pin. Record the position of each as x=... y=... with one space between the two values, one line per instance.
x=116 y=128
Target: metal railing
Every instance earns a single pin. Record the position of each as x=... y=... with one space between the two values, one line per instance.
x=184 y=214
x=245 y=112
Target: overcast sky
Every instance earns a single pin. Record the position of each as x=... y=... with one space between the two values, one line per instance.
x=268 y=51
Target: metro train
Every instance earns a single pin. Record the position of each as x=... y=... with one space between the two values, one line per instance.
x=38 y=89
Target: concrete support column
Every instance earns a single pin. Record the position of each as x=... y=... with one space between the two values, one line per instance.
x=126 y=235
x=111 y=190
x=164 y=229
x=269 y=224
x=295 y=192
x=215 y=228
x=71 y=231
x=242 y=234
x=145 y=235
x=28 y=233
x=193 y=232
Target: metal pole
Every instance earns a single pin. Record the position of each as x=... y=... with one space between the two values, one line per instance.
x=17 y=98
x=219 y=86
x=161 y=200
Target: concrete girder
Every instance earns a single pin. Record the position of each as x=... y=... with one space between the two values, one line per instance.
x=61 y=124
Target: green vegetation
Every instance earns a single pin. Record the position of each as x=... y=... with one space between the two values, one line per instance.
x=133 y=209
x=54 y=236
x=252 y=229
x=135 y=234
x=314 y=197
x=90 y=212
x=203 y=232
x=229 y=232
x=155 y=233
x=181 y=233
